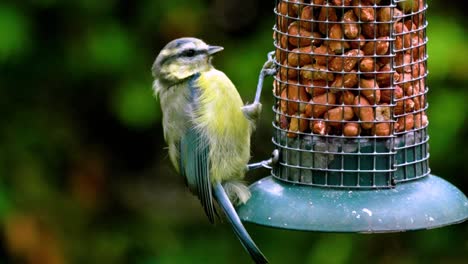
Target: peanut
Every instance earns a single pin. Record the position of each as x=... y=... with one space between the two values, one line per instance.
x=283 y=23
x=350 y=79
x=369 y=30
x=364 y=111
x=292 y=94
x=408 y=6
x=280 y=54
x=293 y=127
x=403 y=106
x=347 y=61
x=412 y=90
x=316 y=72
x=379 y=47
x=409 y=105
x=404 y=123
x=300 y=56
x=319 y=127
x=357 y=43
x=368 y=65
x=351 y=28
x=403 y=62
x=286 y=8
x=364 y=14
x=318 y=52
x=327 y=14
x=384 y=75
x=351 y=129
x=303 y=36
x=418 y=48
x=318 y=2
x=307 y=16
x=338 y=67
x=339 y=113
x=370 y=2
x=419 y=102
x=385 y=94
x=370 y=89
x=403 y=37
x=405 y=80
x=415 y=71
x=384 y=14
x=383 y=112
x=381 y=129
x=341 y=2
x=318 y=105
x=284 y=44
x=336 y=44
x=303 y=122
x=347 y=98
x=315 y=87
x=283 y=122
x=420 y=120
x=288 y=72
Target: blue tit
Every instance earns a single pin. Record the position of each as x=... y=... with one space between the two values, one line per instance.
x=207 y=129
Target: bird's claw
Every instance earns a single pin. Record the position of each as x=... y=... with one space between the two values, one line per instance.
x=252 y=111
x=269 y=68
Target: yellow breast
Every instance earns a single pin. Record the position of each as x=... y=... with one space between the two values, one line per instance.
x=221 y=119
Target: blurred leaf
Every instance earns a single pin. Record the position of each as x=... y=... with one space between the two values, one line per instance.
x=5 y=205
x=242 y=62
x=110 y=47
x=92 y=5
x=135 y=105
x=446 y=112
x=446 y=48
x=342 y=250
x=14 y=37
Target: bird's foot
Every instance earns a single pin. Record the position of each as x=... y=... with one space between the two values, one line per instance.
x=252 y=111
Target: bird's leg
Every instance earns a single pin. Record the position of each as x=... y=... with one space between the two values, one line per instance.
x=252 y=111
x=265 y=163
x=268 y=69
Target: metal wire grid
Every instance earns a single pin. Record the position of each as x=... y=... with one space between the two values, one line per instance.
x=315 y=148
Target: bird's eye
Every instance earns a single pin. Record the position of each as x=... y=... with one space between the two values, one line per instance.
x=189 y=53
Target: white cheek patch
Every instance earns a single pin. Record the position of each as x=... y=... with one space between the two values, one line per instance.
x=180 y=71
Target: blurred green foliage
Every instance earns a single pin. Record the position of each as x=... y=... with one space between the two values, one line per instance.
x=85 y=178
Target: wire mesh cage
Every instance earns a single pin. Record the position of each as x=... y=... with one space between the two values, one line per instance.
x=351 y=92
x=350 y=122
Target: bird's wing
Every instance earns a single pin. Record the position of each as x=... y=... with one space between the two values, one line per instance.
x=194 y=165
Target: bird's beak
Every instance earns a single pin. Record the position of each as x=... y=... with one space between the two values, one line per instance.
x=214 y=49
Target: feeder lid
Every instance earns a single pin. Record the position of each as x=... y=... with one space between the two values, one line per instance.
x=426 y=203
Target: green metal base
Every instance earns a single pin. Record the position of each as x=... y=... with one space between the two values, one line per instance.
x=425 y=203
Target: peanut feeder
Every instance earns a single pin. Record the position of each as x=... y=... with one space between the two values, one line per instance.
x=350 y=122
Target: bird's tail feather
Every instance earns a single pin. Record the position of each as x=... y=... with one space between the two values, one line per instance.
x=237 y=225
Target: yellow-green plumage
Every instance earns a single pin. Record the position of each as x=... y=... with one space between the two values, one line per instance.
x=220 y=118
x=207 y=129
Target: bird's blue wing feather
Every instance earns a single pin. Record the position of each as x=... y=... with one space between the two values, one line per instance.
x=194 y=160
x=194 y=166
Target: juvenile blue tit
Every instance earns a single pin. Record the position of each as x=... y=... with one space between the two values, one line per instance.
x=207 y=128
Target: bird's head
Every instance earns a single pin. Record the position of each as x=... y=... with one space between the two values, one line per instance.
x=182 y=58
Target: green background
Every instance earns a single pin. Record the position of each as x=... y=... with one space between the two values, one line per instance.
x=84 y=173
